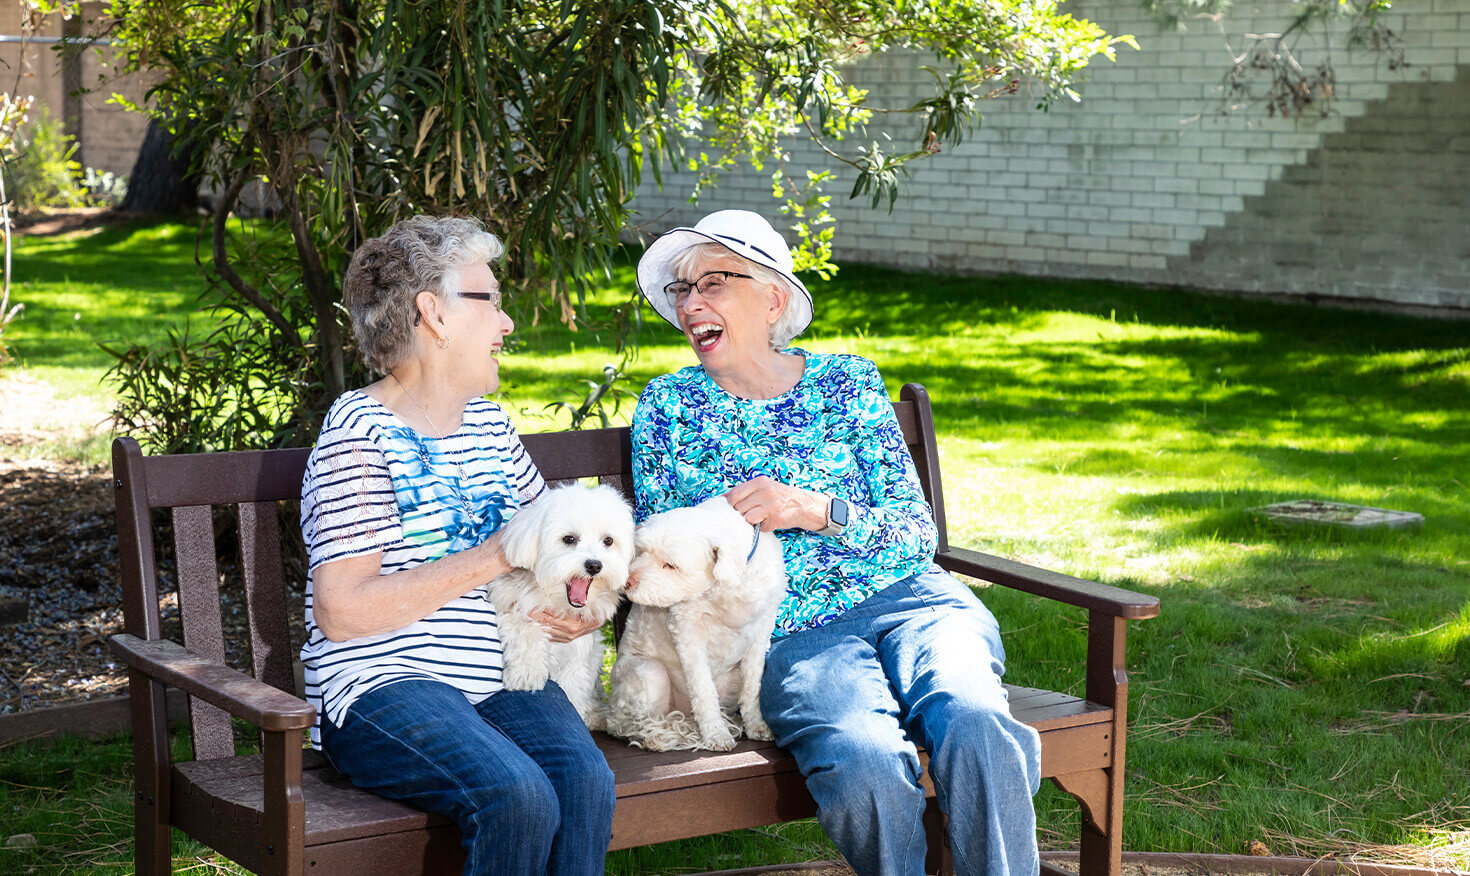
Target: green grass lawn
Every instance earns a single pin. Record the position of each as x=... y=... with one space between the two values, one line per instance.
x=1306 y=688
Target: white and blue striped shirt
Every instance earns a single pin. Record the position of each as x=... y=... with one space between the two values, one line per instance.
x=373 y=484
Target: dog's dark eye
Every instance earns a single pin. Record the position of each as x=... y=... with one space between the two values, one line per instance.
x=670 y=567
x=569 y=539
x=607 y=541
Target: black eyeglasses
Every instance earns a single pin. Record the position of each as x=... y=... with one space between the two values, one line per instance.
x=493 y=297
x=710 y=285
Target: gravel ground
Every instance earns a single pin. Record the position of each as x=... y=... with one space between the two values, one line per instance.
x=58 y=550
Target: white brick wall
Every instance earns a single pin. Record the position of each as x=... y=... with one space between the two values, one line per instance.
x=1143 y=179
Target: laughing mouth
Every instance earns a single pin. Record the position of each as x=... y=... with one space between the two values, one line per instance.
x=577 y=592
x=706 y=334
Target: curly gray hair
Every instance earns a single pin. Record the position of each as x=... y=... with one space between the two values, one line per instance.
x=784 y=329
x=386 y=274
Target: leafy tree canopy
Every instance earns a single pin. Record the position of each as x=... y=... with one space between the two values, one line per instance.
x=540 y=117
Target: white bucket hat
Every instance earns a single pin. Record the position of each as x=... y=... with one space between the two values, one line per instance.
x=744 y=233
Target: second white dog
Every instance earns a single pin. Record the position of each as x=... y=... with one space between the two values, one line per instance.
x=705 y=588
x=572 y=547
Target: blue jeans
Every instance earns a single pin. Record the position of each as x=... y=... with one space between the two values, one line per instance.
x=518 y=772
x=919 y=662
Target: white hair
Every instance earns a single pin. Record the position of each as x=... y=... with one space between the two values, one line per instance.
x=784 y=330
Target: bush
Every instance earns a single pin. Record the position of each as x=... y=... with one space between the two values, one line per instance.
x=105 y=188
x=43 y=173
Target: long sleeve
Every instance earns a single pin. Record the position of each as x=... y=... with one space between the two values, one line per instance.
x=889 y=522
x=655 y=486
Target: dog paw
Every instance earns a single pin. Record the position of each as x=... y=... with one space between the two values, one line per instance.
x=757 y=729
x=720 y=740
x=651 y=743
x=596 y=718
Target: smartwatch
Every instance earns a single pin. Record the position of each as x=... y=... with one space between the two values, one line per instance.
x=836 y=517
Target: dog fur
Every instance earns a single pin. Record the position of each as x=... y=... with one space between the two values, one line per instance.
x=696 y=640
x=571 y=549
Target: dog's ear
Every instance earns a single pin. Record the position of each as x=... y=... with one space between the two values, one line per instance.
x=727 y=562
x=521 y=536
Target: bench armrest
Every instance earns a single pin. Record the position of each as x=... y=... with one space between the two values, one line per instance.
x=237 y=693
x=1114 y=601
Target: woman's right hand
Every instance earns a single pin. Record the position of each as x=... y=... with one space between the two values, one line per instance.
x=775 y=505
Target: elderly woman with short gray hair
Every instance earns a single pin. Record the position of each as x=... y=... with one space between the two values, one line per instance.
x=404 y=496
x=876 y=650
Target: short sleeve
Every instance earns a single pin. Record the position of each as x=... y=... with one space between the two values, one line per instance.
x=348 y=507
x=527 y=478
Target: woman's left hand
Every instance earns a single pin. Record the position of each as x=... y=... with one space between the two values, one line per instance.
x=563 y=628
x=775 y=505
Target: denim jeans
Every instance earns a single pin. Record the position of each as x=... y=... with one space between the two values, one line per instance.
x=518 y=772
x=919 y=662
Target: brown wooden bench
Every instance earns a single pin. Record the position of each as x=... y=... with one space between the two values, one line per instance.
x=285 y=811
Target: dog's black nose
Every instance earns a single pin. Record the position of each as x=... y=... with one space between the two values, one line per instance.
x=593 y=566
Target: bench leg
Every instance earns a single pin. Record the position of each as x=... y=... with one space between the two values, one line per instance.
x=152 y=836
x=938 y=859
x=1107 y=683
x=1102 y=853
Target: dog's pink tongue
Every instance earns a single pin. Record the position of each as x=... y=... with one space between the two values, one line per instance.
x=577 y=591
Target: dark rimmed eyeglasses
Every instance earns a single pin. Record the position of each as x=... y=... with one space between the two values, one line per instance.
x=493 y=297
x=710 y=285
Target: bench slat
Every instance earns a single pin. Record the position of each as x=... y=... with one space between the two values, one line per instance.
x=199 y=609
x=225 y=478
x=265 y=595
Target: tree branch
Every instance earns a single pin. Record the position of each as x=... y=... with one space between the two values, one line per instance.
x=227 y=271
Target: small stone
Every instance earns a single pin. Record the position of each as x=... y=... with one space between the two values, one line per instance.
x=1313 y=511
x=21 y=841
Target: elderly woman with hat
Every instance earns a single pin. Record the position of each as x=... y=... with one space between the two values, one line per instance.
x=876 y=649
x=402 y=503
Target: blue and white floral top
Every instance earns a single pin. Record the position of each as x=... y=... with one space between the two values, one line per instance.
x=835 y=433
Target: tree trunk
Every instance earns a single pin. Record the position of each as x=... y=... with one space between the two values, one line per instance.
x=161 y=181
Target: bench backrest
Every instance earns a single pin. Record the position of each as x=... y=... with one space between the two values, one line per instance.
x=192 y=486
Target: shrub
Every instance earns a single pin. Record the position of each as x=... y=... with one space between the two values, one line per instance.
x=105 y=188
x=43 y=172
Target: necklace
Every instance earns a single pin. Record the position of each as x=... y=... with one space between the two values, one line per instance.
x=455 y=486
x=408 y=395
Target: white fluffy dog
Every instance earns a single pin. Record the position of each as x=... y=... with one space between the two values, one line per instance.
x=705 y=587
x=571 y=547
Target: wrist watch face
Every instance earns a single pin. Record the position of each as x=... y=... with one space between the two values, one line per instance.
x=838 y=513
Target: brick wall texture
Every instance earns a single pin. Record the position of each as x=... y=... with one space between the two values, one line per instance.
x=108 y=135
x=1146 y=180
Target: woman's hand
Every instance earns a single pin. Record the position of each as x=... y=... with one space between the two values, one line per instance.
x=563 y=628
x=775 y=505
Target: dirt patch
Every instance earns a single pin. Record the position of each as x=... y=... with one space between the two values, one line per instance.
x=1157 y=864
x=48 y=222
x=30 y=412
